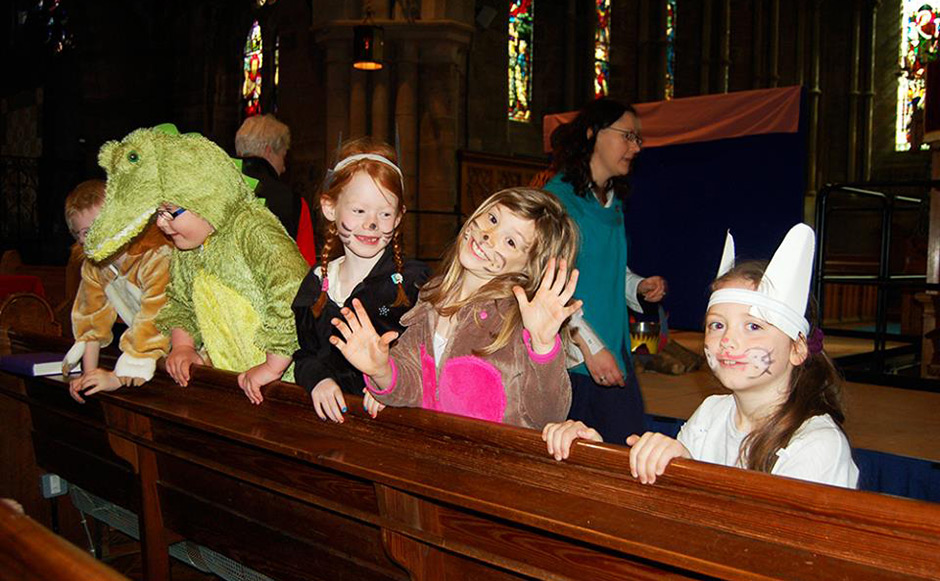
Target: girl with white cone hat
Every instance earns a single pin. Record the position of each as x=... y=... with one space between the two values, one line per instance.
x=783 y=415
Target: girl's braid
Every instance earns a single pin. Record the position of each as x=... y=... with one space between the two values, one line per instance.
x=402 y=299
x=331 y=236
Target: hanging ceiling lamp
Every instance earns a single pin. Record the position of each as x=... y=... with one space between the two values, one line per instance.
x=368 y=44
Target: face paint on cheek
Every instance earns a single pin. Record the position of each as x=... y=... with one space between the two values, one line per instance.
x=498 y=263
x=759 y=360
x=345 y=232
x=712 y=361
x=387 y=236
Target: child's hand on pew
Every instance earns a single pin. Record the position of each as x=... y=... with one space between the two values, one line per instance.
x=371 y=405
x=179 y=362
x=560 y=436
x=254 y=379
x=93 y=381
x=651 y=453
x=328 y=400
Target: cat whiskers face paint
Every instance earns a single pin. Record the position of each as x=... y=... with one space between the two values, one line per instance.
x=760 y=360
x=344 y=232
x=711 y=359
x=745 y=352
x=365 y=216
x=755 y=361
x=497 y=242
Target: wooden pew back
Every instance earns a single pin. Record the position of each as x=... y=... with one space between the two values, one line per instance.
x=434 y=496
x=30 y=551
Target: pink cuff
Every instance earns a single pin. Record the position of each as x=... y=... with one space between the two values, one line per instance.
x=374 y=388
x=527 y=339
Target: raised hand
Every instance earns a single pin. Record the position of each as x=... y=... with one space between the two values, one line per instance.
x=361 y=344
x=543 y=316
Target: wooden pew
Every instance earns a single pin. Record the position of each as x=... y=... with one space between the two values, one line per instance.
x=30 y=551
x=26 y=312
x=432 y=496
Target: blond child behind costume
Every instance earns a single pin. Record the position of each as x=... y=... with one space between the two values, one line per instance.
x=130 y=285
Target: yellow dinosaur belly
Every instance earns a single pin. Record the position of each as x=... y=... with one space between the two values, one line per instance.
x=228 y=324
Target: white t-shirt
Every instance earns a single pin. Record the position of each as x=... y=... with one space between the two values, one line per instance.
x=818 y=451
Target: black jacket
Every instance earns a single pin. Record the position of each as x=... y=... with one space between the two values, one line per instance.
x=317 y=359
x=278 y=196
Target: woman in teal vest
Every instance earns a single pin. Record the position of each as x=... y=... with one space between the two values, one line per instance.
x=591 y=157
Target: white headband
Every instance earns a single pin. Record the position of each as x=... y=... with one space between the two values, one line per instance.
x=374 y=157
x=769 y=309
x=781 y=296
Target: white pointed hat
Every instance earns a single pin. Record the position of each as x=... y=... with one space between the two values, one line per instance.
x=781 y=296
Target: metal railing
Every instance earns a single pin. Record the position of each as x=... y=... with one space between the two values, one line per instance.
x=881 y=198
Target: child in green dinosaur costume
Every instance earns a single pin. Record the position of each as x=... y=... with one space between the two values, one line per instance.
x=234 y=271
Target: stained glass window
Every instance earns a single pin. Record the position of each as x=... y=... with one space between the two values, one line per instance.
x=601 y=47
x=919 y=21
x=670 y=85
x=277 y=68
x=520 y=59
x=56 y=20
x=251 y=87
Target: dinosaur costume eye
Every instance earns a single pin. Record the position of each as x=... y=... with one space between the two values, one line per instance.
x=133 y=157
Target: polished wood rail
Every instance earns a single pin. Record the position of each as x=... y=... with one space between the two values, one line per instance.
x=28 y=550
x=433 y=496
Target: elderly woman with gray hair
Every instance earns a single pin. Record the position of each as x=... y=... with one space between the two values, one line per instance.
x=262 y=142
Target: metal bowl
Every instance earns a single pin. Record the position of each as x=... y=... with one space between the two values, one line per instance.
x=645 y=333
x=645 y=328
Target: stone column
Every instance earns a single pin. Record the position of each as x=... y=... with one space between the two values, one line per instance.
x=406 y=120
x=338 y=67
x=357 y=103
x=815 y=92
x=645 y=59
x=571 y=60
x=438 y=130
x=757 y=41
x=854 y=62
x=724 y=36
x=704 y=86
x=869 y=94
x=379 y=128
x=773 y=66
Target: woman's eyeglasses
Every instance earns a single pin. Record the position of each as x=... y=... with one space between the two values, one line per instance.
x=631 y=136
x=168 y=215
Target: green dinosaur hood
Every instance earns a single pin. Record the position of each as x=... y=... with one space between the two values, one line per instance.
x=158 y=165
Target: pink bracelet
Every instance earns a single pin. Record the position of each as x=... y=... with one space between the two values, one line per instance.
x=372 y=387
x=538 y=358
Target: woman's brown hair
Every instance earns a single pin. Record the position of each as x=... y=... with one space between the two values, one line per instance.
x=815 y=389
x=384 y=176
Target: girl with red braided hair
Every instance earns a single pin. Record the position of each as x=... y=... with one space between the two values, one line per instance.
x=362 y=204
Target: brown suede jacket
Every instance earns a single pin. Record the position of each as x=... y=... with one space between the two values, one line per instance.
x=514 y=385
